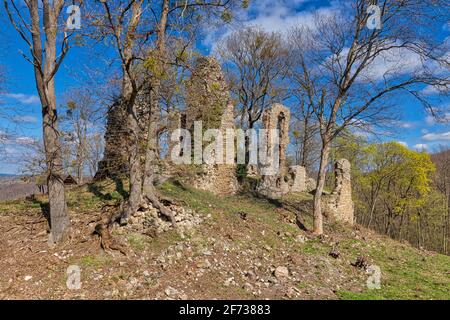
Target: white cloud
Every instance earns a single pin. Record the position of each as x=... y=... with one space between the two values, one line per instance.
x=403 y=143
x=443 y=136
x=25 y=140
x=281 y=15
x=392 y=62
x=420 y=147
x=23 y=98
x=274 y=16
x=26 y=119
x=444 y=118
x=429 y=90
x=11 y=151
x=406 y=124
x=3 y=137
x=429 y=120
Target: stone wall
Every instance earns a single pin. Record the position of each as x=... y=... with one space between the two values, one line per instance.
x=115 y=156
x=275 y=180
x=115 y=160
x=208 y=100
x=278 y=117
x=173 y=123
x=297 y=177
x=207 y=94
x=339 y=204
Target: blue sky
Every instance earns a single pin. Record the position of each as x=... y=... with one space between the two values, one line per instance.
x=20 y=102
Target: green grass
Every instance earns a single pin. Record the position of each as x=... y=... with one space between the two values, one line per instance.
x=14 y=206
x=95 y=261
x=137 y=241
x=406 y=273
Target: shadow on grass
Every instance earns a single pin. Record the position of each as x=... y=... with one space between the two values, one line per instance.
x=44 y=205
x=100 y=193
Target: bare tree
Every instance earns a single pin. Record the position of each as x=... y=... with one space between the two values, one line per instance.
x=43 y=45
x=95 y=149
x=305 y=134
x=187 y=16
x=442 y=183
x=121 y=21
x=78 y=130
x=255 y=63
x=347 y=74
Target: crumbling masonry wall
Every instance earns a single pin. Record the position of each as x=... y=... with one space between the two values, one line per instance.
x=208 y=100
x=339 y=204
x=278 y=117
x=274 y=179
x=174 y=122
x=117 y=139
x=297 y=179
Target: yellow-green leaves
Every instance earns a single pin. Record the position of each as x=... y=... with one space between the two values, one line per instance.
x=401 y=176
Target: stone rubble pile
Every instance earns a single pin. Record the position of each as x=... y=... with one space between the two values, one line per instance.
x=149 y=218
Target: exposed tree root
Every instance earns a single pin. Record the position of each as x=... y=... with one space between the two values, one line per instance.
x=107 y=242
x=102 y=229
x=153 y=199
x=299 y=222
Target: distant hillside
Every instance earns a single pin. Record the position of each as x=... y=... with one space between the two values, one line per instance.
x=7 y=175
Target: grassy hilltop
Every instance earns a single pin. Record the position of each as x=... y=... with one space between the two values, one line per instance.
x=240 y=250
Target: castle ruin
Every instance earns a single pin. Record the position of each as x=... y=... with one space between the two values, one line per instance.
x=339 y=204
x=283 y=180
x=208 y=101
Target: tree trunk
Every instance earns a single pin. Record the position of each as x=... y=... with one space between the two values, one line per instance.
x=59 y=218
x=129 y=93
x=318 y=217
x=247 y=141
x=135 y=167
x=305 y=142
x=151 y=153
x=45 y=84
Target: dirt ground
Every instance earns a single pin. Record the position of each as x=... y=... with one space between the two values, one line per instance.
x=243 y=249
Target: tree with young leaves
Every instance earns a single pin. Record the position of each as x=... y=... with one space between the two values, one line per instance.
x=397 y=179
x=349 y=74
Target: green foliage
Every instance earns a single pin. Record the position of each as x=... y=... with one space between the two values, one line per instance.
x=401 y=176
x=155 y=66
x=241 y=171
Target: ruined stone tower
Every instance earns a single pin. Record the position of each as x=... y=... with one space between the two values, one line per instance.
x=114 y=162
x=115 y=156
x=278 y=117
x=208 y=100
x=339 y=204
x=282 y=180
